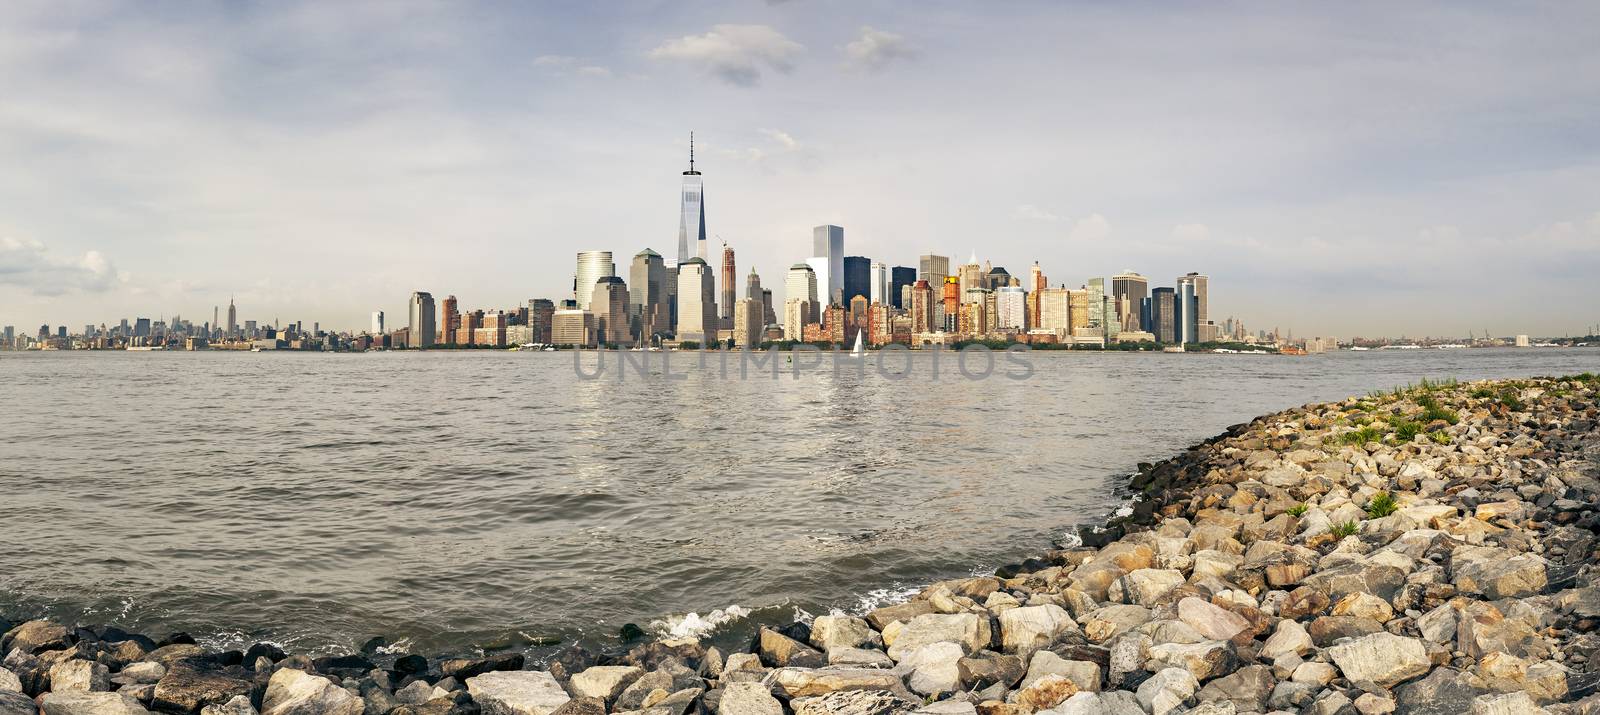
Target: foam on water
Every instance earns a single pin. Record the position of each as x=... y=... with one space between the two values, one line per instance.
x=693 y=625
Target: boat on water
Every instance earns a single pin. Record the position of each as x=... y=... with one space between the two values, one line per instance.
x=255 y=349
x=860 y=349
x=1359 y=349
x=1173 y=349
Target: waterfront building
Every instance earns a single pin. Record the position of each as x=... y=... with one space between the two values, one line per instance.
x=933 y=268
x=880 y=324
x=691 y=215
x=801 y=283
x=857 y=318
x=997 y=278
x=1055 y=311
x=1036 y=283
x=646 y=296
x=1163 y=315
x=878 y=283
x=697 y=306
x=421 y=325
x=827 y=244
x=1202 y=291
x=10 y=337
x=1078 y=300
x=233 y=319
x=970 y=276
x=541 y=312
x=950 y=303
x=1128 y=293
x=747 y=327
x=592 y=266
x=609 y=307
x=769 y=316
x=725 y=306
x=466 y=331
x=490 y=330
x=857 y=278
x=922 y=303
x=450 y=317
x=571 y=325
x=1186 y=312
x=1012 y=308
x=797 y=313
x=377 y=322
x=835 y=322
x=901 y=279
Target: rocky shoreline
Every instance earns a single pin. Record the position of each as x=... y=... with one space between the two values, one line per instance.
x=1430 y=550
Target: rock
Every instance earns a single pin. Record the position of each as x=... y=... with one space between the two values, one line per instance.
x=859 y=658
x=1083 y=674
x=1166 y=691
x=1331 y=702
x=239 y=705
x=1289 y=695
x=1302 y=602
x=1045 y=693
x=36 y=636
x=1438 y=625
x=1364 y=605
x=140 y=673
x=1202 y=660
x=579 y=706
x=524 y=692
x=851 y=702
x=830 y=632
x=1325 y=630
x=1103 y=624
x=1213 y=622
x=749 y=699
x=464 y=668
x=9 y=682
x=188 y=687
x=1357 y=577
x=1314 y=673
x=1025 y=630
x=1505 y=704
x=1446 y=691
x=947 y=707
x=1246 y=688
x=1145 y=587
x=1482 y=629
x=932 y=669
x=880 y=618
x=168 y=654
x=77 y=702
x=13 y=702
x=1383 y=659
x=77 y=674
x=969 y=630
x=1496 y=573
x=296 y=692
x=605 y=682
x=418 y=692
x=1374 y=704
x=779 y=650
x=1290 y=637
x=804 y=682
x=985 y=668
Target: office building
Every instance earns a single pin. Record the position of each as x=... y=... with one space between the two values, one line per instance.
x=541 y=311
x=233 y=319
x=592 y=266
x=450 y=323
x=1186 y=312
x=691 y=215
x=1128 y=293
x=422 y=320
x=646 y=296
x=377 y=323
x=801 y=283
x=1202 y=292
x=969 y=276
x=748 y=330
x=1011 y=308
x=725 y=306
x=857 y=278
x=769 y=315
x=933 y=269
x=697 y=307
x=571 y=325
x=900 y=280
x=1163 y=315
x=878 y=282
x=609 y=308
x=827 y=243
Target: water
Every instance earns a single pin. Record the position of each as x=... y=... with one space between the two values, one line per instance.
x=460 y=501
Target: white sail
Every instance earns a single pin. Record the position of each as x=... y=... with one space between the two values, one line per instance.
x=859 y=349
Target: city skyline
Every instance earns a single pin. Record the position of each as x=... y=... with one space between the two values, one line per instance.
x=1295 y=179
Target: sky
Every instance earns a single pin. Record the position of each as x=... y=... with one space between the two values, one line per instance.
x=1336 y=168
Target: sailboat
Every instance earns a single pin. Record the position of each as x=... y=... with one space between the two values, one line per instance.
x=860 y=349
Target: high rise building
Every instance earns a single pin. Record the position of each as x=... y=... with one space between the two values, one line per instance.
x=754 y=291
x=996 y=278
x=900 y=279
x=10 y=337
x=691 y=215
x=800 y=284
x=609 y=306
x=421 y=325
x=857 y=278
x=878 y=282
x=646 y=296
x=571 y=325
x=592 y=266
x=1201 y=294
x=1163 y=315
x=769 y=315
x=827 y=243
x=747 y=326
x=377 y=322
x=1128 y=291
x=729 y=278
x=922 y=301
x=1055 y=311
x=450 y=319
x=540 y=313
x=1186 y=311
x=950 y=300
x=697 y=306
x=233 y=319
x=970 y=276
x=1011 y=308
x=1102 y=313
x=933 y=269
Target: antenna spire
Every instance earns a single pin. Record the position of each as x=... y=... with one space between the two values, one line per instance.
x=691 y=150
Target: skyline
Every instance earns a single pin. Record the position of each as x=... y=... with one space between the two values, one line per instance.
x=1339 y=179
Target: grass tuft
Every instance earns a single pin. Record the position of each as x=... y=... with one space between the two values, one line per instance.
x=1297 y=510
x=1406 y=430
x=1348 y=528
x=1381 y=505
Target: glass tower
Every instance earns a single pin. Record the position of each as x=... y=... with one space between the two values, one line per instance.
x=692 y=214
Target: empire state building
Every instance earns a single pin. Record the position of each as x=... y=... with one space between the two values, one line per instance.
x=692 y=217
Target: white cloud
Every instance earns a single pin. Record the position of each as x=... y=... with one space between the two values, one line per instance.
x=1091 y=229
x=1191 y=232
x=735 y=54
x=782 y=137
x=569 y=65
x=26 y=263
x=876 y=49
x=1029 y=212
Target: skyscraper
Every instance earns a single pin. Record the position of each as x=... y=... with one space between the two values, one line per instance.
x=697 y=306
x=922 y=320
x=1163 y=316
x=725 y=307
x=879 y=282
x=377 y=322
x=1202 y=290
x=233 y=319
x=1186 y=310
x=1128 y=291
x=799 y=300
x=827 y=243
x=450 y=319
x=1011 y=308
x=647 y=295
x=691 y=214
x=540 y=313
x=421 y=325
x=857 y=278
x=1102 y=313
x=933 y=269
x=900 y=278
x=592 y=266
x=609 y=305
x=970 y=277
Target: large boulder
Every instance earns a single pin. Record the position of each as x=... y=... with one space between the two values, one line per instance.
x=748 y=699
x=296 y=692
x=969 y=630
x=605 y=682
x=1083 y=674
x=1381 y=659
x=75 y=674
x=1446 y=691
x=829 y=632
x=79 y=702
x=1213 y=622
x=13 y=702
x=522 y=692
x=1497 y=573
x=849 y=702
x=986 y=667
x=1204 y=661
x=1167 y=691
x=1028 y=629
x=1290 y=637
x=804 y=682
x=1044 y=693
x=1145 y=587
x=1246 y=688
x=779 y=650
x=239 y=705
x=187 y=687
x=933 y=669
x=35 y=636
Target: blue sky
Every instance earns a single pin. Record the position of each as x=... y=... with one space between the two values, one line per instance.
x=1338 y=169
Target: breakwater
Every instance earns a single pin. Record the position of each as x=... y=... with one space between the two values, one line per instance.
x=1427 y=550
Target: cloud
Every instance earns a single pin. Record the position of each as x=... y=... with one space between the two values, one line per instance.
x=1029 y=212
x=782 y=137
x=876 y=49
x=1191 y=232
x=569 y=65
x=735 y=54
x=1092 y=229
x=26 y=263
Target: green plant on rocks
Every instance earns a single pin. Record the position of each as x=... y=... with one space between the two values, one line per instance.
x=1440 y=437
x=1432 y=410
x=1348 y=528
x=1381 y=505
x=1406 y=430
x=1361 y=436
x=1297 y=510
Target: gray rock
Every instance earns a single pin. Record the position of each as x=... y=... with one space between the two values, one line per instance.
x=947 y=707
x=969 y=630
x=1145 y=587
x=1497 y=573
x=1289 y=695
x=1446 y=691
x=187 y=687
x=1382 y=659
x=1505 y=704
x=1246 y=688
x=1213 y=622
x=859 y=658
x=986 y=667
x=522 y=692
x=1290 y=637
x=1331 y=702
x=9 y=681
x=1031 y=628
x=1085 y=675
x=36 y=636
x=13 y=702
x=1203 y=660
x=806 y=682
x=830 y=632
x=75 y=674
x=605 y=682
x=239 y=705
x=1167 y=691
x=748 y=699
x=932 y=669
x=78 y=702
x=418 y=692
x=850 y=702
x=296 y=692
